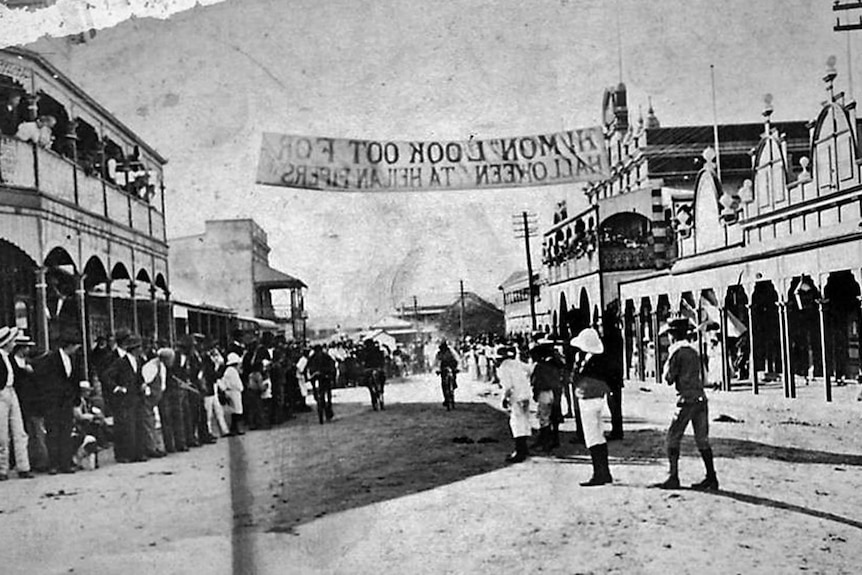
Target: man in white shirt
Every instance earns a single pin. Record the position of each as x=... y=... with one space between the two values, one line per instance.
x=10 y=410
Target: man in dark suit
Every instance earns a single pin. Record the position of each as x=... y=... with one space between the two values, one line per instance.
x=59 y=373
x=125 y=385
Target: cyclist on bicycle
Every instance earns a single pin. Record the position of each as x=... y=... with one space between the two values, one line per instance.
x=321 y=370
x=446 y=358
x=373 y=360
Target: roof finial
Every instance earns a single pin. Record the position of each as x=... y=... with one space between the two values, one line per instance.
x=830 y=75
x=652 y=119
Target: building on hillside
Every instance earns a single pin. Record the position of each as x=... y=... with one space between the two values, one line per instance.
x=82 y=218
x=439 y=315
x=516 y=304
x=775 y=265
x=228 y=266
x=628 y=229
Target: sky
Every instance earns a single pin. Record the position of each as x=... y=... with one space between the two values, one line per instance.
x=201 y=82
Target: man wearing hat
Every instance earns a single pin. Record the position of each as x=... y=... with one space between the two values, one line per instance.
x=591 y=387
x=125 y=385
x=30 y=397
x=155 y=375
x=231 y=384
x=515 y=379
x=546 y=379
x=59 y=373
x=10 y=410
x=684 y=371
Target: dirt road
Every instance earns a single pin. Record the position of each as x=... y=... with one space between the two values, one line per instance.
x=394 y=492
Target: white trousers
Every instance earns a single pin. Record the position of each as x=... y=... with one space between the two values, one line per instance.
x=11 y=420
x=519 y=419
x=215 y=415
x=591 y=418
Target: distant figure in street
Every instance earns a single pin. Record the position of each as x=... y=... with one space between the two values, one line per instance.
x=546 y=380
x=684 y=371
x=446 y=358
x=591 y=388
x=515 y=380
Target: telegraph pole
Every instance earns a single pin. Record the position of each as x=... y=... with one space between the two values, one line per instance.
x=525 y=227
x=847 y=27
x=462 y=310
x=416 y=317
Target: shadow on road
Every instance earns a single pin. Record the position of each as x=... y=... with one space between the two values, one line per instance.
x=304 y=470
x=775 y=504
x=649 y=444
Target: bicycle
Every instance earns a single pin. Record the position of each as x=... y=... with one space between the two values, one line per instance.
x=375 y=387
x=322 y=389
x=447 y=382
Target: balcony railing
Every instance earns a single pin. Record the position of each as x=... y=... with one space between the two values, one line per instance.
x=619 y=258
x=23 y=165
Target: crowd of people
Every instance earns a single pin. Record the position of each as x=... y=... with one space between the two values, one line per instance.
x=149 y=401
x=24 y=121
x=144 y=400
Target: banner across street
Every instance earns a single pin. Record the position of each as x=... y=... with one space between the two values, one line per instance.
x=333 y=164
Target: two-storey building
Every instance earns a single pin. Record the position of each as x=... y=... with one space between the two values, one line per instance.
x=82 y=219
x=775 y=264
x=228 y=267
x=628 y=228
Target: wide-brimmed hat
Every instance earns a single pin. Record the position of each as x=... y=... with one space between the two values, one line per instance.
x=506 y=352
x=233 y=359
x=543 y=349
x=132 y=341
x=69 y=337
x=680 y=326
x=7 y=334
x=22 y=340
x=588 y=340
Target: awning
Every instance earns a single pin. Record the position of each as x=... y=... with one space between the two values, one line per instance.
x=265 y=276
x=261 y=323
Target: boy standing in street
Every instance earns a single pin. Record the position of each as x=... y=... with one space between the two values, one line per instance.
x=685 y=371
x=515 y=380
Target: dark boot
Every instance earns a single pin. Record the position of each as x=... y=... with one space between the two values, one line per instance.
x=539 y=442
x=555 y=435
x=711 y=481
x=672 y=481
x=594 y=459
x=547 y=440
x=605 y=466
x=601 y=475
x=521 y=451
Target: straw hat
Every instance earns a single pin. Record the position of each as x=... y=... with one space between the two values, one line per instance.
x=506 y=352
x=678 y=326
x=233 y=359
x=589 y=341
x=7 y=334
